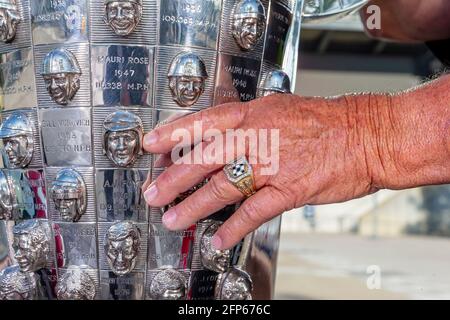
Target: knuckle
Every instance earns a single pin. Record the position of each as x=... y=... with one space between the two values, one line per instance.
x=167 y=178
x=218 y=189
x=226 y=232
x=251 y=213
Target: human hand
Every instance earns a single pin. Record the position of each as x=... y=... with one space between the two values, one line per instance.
x=322 y=159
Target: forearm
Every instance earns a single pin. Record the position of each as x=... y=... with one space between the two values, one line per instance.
x=411 y=20
x=405 y=138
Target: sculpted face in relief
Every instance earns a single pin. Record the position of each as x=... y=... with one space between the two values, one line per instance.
x=75 y=284
x=248 y=23
x=17 y=285
x=213 y=259
x=168 y=284
x=69 y=195
x=122 y=241
x=17 y=136
x=9 y=19
x=123 y=16
x=187 y=75
x=6 y=205
x=61 y=73
x=235 y=284
x=122 y=137
x=32 y=244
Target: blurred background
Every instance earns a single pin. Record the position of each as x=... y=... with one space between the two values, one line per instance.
x=391 y=245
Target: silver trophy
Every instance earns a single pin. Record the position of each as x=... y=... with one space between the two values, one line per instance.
x=81 y=82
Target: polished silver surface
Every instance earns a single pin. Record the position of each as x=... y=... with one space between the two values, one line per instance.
x=66 y=136
x=18 y=285
x=280 y=19
x=80 y=205
x=17 y=83
x=243 y=27
x=122 y=75
x=276 y=81
x=184 y=78
x=29 y=152
x=59 y=21
x=14 y=25
x=76 y=244
x=117 y=141
x=123 y=132
x=193 y=23
x=321 y=11
x=213 y=259
x=105 y=20
x=90 y=79
x=119 y=195
x=69 y=195
x=235 y=284
x=170 y=248
x=6 y=199
x=122 y=244
x=237 y=79
x=248 y=23
x=62 y=75
x=75 y=284
x=123 y=16
x=127 y=287
x=187 y=75
x=61 y=72
x=16 y=132
x=10 y=18
x=168 y=284
x=32 y=247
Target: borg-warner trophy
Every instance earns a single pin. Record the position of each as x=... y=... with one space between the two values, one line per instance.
x=80 y=83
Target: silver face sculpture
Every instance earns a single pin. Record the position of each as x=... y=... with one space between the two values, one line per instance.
x=17 y=136
x=6 y=205
x=235 y=284
x=168 y=284
x=248 y=23
x=187 y=75
x=123 y=16
x=32 y=244
x=122 y=138
x=69 y=195
x=213 y=259
x=61 y=72
x=75 y=284
x=17 y=285
x=122 y=241
x=9 y=19
x=277 y=81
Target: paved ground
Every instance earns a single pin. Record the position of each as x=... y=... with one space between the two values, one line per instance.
x=327 y=266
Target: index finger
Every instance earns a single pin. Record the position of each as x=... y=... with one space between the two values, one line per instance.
x=222 y=117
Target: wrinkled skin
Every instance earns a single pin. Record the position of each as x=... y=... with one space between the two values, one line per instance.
x=331 y=149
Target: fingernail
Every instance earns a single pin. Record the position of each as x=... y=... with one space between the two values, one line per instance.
x=216 y=242
x=150 y=138
x=169 y=218
x=151 y=193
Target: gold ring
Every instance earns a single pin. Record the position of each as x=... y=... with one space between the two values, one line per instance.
x=240 y=174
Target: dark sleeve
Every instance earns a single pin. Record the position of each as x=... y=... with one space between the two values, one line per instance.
x=441 y=49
